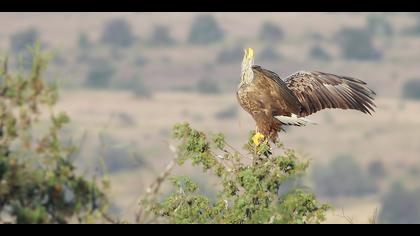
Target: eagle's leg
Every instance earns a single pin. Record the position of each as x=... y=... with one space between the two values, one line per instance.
x=258 y=137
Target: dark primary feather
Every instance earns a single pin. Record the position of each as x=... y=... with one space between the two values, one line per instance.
x=318 y=90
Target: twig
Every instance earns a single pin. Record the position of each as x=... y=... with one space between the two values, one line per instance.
x=348 y=219
x=373 y=218
x=153 y=189
x=222 y=161
x=109 y=218
x=234 y=149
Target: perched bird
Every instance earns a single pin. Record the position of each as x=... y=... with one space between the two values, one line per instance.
x=274 y=102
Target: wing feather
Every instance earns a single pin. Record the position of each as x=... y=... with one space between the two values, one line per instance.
x=282 y=92
x=318 y=90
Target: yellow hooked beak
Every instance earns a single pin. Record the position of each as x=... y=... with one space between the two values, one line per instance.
x=249 y=53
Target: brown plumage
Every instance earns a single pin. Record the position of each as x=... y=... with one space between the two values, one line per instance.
x=273 y=102
x=318 y=90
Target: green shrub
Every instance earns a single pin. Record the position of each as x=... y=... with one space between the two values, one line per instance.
x=411 y=89
x=20 y=42
x=247 y=191
x=270 y=32
x=205 y=30
x=118 y=33
x=38 y=181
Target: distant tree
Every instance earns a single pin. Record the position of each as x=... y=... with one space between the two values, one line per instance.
x=205 y=30
x=230 y=55
x=141 y=60
x=118 y=33
x=415 y=28
x=315 y=36
x=140 y=88
x=100 y=73
x=317 y=52
x=59 y=59
x=161 y=36
x=184 y=88
x=343 y=176
x=356 y=43
x=207 y=86
x=270 y=53
x=270 y=33
x=376 y=169
x=411 y=89
x=127 y=119
x=19 y=41
x=227 y=113
x=83 y=41
x=379 y=25
x=414 y=171
x=400 y=206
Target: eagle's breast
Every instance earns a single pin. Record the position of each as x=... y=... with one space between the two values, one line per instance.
x=247 y=98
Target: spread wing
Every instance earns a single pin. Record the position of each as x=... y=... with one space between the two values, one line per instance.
x=318 y=90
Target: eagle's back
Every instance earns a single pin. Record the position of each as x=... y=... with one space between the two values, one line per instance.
x=267 y=93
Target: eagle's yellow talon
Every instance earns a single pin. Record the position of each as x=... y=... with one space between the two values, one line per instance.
x=257 y=138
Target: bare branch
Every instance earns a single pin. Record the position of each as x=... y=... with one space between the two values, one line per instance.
x=153 y=189
x=347 y=218
x=373 y=219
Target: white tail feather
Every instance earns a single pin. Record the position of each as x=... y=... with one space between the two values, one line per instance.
x=295 y=120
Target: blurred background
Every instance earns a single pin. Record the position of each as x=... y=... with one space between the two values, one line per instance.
x=126 y=78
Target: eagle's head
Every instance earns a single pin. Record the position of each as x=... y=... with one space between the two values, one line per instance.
x=246 y=68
